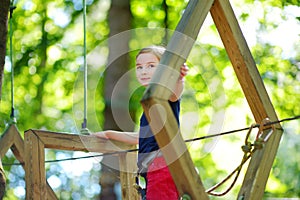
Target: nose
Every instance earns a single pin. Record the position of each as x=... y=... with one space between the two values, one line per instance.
x=144 y=70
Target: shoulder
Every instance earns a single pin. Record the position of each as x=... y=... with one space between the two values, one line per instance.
x=177 y=102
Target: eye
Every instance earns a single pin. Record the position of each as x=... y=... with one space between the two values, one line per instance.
x=139 y=67
x=151 y=66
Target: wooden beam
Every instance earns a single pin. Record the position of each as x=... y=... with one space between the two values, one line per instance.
x=17 y=146
x=255 y=93
x=242 y=61
x=127 y=175
x=6 y=140
x=173 y=147
x=75 y=142
x=178 y=49
x=35 y=174
x=258 y=171
x=159 y=90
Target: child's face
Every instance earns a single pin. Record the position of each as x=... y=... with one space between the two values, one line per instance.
x=146 y=64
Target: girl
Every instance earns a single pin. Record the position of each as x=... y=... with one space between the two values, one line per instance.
x=151 y=164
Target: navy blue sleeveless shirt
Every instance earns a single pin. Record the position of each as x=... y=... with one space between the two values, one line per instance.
x=147 y=142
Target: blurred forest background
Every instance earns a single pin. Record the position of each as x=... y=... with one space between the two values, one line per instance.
x=47 y=47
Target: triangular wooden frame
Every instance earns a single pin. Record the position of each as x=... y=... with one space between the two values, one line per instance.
x=183 y=172
x=11 y=139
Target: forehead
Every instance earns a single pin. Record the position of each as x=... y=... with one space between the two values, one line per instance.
x=146 y=58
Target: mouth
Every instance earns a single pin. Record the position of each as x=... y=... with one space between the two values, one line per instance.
x=145 y=79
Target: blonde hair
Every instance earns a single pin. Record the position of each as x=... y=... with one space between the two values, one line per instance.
x=156 y=50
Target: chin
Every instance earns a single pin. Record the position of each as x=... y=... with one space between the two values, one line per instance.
x=144 y=83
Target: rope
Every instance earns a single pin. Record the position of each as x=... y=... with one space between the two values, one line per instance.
x=11 y=9
x=248 y=150
x=84 y=129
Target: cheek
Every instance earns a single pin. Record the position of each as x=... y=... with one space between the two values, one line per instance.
x=152 y=71
x=137 y=74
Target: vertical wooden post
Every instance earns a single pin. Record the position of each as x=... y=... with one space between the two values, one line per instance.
x=35 y=167
x=128 y=170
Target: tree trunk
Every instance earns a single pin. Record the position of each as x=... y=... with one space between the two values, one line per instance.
x=165 y=8
x=118 y=64
x=2 y=182
x=4 y=8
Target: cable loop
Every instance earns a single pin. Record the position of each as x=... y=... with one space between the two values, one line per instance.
x=262 y=137
x=247 y=147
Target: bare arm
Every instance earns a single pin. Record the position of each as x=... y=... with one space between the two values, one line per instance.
x=180 y=84
x=127 y=137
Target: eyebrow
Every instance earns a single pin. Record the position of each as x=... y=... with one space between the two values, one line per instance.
x=146 y=63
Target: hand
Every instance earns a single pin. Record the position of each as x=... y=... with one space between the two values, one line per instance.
x=183 y=71
x=101 y=134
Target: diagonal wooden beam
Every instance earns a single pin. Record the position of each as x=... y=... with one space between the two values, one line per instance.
x=253 y=87
x=242 y=61
x=175 y=152
x=158 y=92
x=7 y=140
x=178 y=49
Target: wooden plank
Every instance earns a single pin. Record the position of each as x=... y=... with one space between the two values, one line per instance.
x=75 y=142
x=50 y=193
x=6 y=141
x=242 y=61
x=178 y=49
x=255 y=93
x=128 y=169
x=258 y=171
x=35 y=175
x=12 y=139
x=172 y=145
x=18 y=144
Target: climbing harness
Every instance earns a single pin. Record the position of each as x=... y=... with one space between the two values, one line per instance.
x=143 y=171
x=141 y=191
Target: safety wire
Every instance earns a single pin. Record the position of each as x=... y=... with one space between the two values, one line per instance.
x=84 y=129
x=11 y=9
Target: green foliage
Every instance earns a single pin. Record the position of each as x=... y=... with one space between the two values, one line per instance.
x=48 y=85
